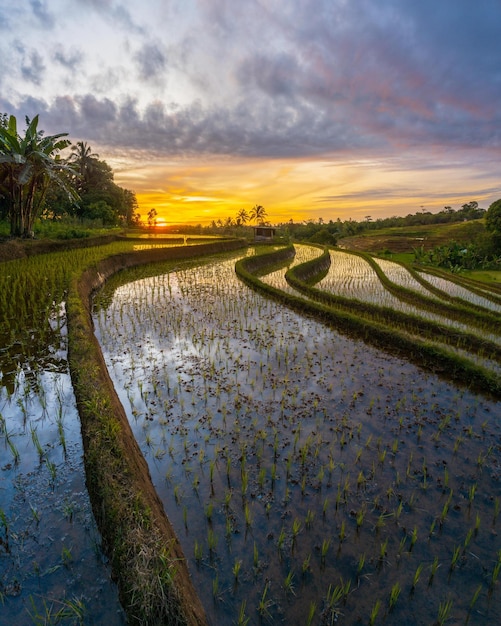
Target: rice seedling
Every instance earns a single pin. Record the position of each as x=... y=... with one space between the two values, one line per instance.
x=496 y=570
x=310 y=517
x=444 y=610
x=360 y=516
x=15 y=452
x=477 y=524
x=394 y=595
x=324 y=549
x=281 y=539
x=242 y=619
x=211 y=541
x=215 y=588
x=256 y=556
x=471 y=494
x=305 y=567
x=417 y=576
x=311 y=613
x=433 y=570
x=383 y=549
x=445 y=509
x=237 y=566
x=342 y=532
x=265 y=604
x=360 y=564
x=66 y=556
x=476 y=595
x=413 y=538
x=55 y=612
x=52 y=471
x=374 y=612
x=288 y=584
x=456 y=553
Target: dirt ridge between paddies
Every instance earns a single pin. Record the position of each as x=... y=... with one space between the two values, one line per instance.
x=146 y=557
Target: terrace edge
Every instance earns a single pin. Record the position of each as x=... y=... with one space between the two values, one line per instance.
x=146 y=558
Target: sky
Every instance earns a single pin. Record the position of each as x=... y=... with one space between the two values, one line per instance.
x=311 y=108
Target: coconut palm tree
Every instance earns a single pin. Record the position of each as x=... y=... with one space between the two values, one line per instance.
x=258 y=214
x=85 y=160
x=30 y=164
x=242 y=217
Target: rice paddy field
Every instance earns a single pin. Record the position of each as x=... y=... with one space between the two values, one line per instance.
x=310 y=478
x=52 y=567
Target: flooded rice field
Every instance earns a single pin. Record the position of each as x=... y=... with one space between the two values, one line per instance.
x=310 y=478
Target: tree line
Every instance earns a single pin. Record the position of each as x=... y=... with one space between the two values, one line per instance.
x=257 y=214
x=37 y=181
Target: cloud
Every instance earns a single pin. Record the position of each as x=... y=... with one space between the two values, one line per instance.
x=270 y=79
x=115 y=13
x=151 y=61
x=69 y=59
x=32 y=67
x=42 y=14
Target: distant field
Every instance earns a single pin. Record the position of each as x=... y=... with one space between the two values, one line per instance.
x=406 y=239
x=485 y=276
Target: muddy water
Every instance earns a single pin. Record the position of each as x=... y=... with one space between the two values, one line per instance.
x=310 y=478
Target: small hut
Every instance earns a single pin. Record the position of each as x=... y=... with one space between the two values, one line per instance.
x=264 y=233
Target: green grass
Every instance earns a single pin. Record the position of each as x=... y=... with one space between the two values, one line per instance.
x=484 y=276
x=403 y=239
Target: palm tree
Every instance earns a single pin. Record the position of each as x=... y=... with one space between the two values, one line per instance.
x=30 y=164
x=85 y=160
x=242 y=217
x=258 y=214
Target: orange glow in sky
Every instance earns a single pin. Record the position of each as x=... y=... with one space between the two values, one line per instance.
x=199 y=191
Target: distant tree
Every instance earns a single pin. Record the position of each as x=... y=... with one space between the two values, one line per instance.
x=258 y=214
x=96 y=185
x=152 y=218
x=86 y=161
x=493 y=218
x=29 y=165
x=242 y=217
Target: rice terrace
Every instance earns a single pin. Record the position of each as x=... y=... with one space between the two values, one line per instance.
x=213 y=431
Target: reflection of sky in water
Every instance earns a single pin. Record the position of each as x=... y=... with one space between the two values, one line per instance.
x=53 y=541
x=212 y=375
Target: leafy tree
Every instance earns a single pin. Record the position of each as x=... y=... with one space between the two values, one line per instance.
x=152 y=218
x=493 y=217
x=29 y=165
x=96 y=186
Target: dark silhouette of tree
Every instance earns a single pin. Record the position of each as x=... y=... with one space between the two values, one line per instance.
x=258 y=214
x=152 y=218
x=242 y=217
